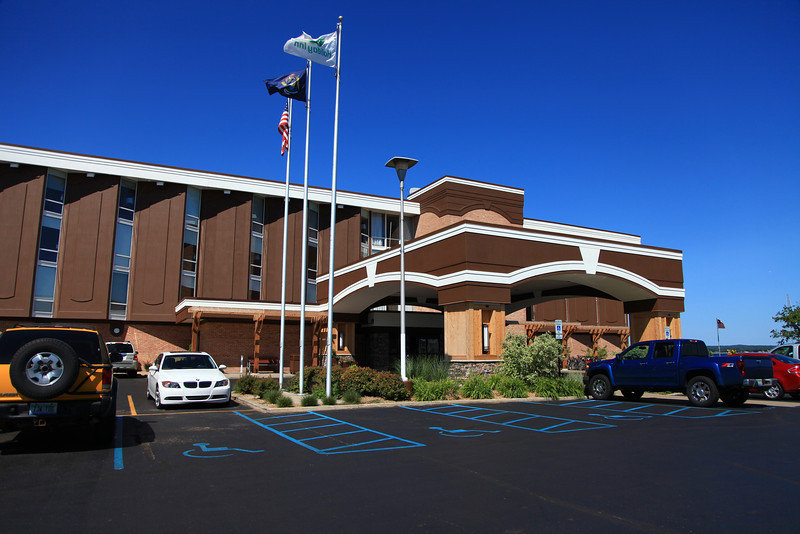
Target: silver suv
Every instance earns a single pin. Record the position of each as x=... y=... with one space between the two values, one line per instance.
x=124 y=359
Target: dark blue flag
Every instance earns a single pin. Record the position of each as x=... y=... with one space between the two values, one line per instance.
x=292 y=85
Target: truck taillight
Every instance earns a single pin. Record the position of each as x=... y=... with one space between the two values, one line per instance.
x=795 y=370
x=740 y=365
x=107 y=376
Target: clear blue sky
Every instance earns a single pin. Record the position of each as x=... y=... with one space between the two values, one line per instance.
x=676 y=120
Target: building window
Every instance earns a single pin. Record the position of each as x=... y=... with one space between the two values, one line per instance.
x=120 y=273
x=311 y=253
x=191 y=238
x=380 y=231
x=256 y=247
x=49 y=238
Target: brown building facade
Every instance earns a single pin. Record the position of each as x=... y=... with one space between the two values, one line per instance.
x=174 y=258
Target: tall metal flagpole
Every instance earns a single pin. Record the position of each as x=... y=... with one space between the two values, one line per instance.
x=329 y=341
x=304 y=262
x=285 y=238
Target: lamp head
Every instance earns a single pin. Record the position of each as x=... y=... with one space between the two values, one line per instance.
x=401 y=165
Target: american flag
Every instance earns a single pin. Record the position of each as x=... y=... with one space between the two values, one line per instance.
x=720 y=324
x=283 y=128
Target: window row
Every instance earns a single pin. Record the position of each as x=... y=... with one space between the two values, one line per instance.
x=50 y=239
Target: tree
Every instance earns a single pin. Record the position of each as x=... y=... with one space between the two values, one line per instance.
x=789 y=321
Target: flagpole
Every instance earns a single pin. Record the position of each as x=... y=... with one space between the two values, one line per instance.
x=285 y=239
x=719 y=347
x=329 y=341
x=304 y=262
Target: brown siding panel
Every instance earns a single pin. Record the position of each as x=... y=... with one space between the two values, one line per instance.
x=21 y=194
x=224 y=245
x=157 y=244
x=87 y=244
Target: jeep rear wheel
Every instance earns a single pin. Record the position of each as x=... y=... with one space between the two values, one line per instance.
x=600 y=387
x=702 y=391
x=43 y=368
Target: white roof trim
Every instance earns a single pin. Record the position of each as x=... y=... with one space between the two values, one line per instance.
x=559 y=228
x=464 y=181
x=247 y=305
x=202 y=179
x=474 y=276
x=523 y=234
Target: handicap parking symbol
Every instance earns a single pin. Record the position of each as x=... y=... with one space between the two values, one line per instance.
x=462 y=433
x=213 y=452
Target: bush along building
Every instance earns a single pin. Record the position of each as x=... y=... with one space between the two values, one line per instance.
x=172 y=258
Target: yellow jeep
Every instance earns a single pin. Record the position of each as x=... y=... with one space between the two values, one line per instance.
x=56 y=375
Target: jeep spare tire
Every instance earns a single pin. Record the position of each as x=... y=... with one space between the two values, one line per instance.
x=43 y=368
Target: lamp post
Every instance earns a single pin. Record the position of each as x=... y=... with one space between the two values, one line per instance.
x=401 y=165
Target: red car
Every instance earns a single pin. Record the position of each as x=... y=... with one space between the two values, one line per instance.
x=787 y=371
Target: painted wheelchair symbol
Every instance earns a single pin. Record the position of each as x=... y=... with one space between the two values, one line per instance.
x=462 y=433
x=204 y=448
x=622 y=417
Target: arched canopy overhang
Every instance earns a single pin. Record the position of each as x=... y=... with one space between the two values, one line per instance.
x=512 y=267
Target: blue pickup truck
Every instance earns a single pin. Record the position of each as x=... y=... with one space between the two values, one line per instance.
x=679 y=365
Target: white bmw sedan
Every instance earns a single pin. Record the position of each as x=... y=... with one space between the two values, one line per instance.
x=183 y=377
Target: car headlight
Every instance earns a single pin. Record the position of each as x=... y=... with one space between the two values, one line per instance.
x=221 y=383
x=168 y=384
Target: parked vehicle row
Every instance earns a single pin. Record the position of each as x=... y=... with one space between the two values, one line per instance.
x=683 y=365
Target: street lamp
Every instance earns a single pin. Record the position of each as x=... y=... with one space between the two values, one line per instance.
x=401 y=165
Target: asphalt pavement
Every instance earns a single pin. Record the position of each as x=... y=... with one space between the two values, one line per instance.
x=514 y=466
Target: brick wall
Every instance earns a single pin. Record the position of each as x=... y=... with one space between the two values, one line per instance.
x=149 y=339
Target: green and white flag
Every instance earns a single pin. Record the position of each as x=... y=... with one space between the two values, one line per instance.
x=322 y=50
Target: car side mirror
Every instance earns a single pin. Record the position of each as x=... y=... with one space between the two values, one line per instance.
x=222 y=367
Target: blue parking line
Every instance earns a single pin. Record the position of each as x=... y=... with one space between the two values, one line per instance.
x=118 y=464
x=687 y=412
x=554 y=425
x=368 y=436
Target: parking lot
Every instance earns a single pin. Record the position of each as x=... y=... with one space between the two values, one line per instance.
x=515 y=466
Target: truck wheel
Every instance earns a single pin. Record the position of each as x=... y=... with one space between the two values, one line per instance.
x=43 y=368
x=775 y=392
x=734 y=397
x=600 y=387
x=632 y=394
x=702 y=392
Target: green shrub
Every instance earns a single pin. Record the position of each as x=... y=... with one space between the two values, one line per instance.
x=319 y=392
x=429 y=368
x=329 y=401
x=477 y=387
x=308 y=400
x=527 y=362
x=246 y=383
x=495 y=380
x=351 y=397
x=283 y=402
x=358 y=379
x=293 y=384
x=390 y=386
x=512 y=388
x=271 y=395
x=264 y=384
x=435 y=390
x=554 y=388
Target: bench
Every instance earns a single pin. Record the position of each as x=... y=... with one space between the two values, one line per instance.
x=260 y=364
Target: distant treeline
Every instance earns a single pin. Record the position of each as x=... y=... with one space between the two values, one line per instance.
x=743 y=348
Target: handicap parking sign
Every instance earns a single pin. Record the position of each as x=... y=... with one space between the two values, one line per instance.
x=559 y=329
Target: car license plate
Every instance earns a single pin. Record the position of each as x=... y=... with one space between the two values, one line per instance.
x=759 y=382
x=43 y=408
